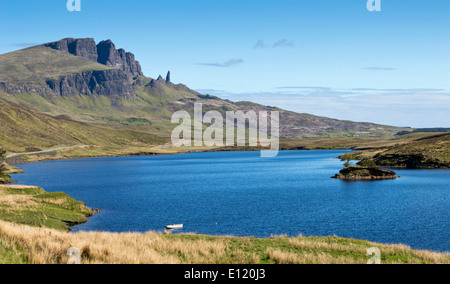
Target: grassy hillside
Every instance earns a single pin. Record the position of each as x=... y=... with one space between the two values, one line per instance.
x=26 y=130
x=417 y=150
x=32 y=65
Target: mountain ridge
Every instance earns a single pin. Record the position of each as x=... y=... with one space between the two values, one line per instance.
x=104 y=53
x=65 y=79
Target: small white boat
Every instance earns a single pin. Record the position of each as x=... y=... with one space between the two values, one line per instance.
x=174 y=227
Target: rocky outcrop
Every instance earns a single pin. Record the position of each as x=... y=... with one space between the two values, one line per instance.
x=365 y=173
x=168 y=77
x=120 y=59
x=16 y=89
x=84 y=47
x=157 y=85
x=116 y=82
x=111 y=83
x=104 y=53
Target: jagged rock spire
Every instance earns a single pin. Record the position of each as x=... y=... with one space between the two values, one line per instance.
x=168 y=77
x=104 y=53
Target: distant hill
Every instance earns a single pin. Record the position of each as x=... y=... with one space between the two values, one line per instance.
x=96 y=85
x=424 y=130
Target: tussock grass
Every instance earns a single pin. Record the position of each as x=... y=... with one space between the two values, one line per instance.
x=47 y=246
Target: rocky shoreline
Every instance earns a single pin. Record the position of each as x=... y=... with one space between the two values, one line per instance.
x=73 y=224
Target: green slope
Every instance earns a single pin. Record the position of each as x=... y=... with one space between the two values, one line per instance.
x=35 y=64
x=23 y=129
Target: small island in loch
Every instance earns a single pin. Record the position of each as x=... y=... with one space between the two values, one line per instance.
x=365 y=173
x=366 y=170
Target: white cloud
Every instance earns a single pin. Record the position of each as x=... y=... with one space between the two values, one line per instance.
x=283 y=43
x=260 y=44
x=398 y=107
x=229 y=63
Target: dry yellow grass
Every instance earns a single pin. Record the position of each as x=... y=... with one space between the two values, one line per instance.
x=13 y=203
x=45 y=246
x=281 y=257
x=15 y=186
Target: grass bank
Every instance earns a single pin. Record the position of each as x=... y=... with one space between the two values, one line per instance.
x=33 y=206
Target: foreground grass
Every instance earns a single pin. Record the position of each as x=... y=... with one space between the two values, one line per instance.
x=10 y=254
x=21 y=244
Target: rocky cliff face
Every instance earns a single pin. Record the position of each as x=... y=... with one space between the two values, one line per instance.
x=120 y=59
x=117 y=82
x=85 y=47
x=111 y=83
x=104 y=53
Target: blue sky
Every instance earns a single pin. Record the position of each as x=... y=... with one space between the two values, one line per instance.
x=325 y=57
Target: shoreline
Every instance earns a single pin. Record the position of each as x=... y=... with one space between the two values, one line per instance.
x=150 y=154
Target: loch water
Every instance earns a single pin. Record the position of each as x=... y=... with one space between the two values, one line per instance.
x=242 y=194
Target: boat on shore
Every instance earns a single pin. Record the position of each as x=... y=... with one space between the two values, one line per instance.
x=174 y=227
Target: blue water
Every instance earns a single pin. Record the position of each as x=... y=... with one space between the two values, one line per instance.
x=241 y=194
